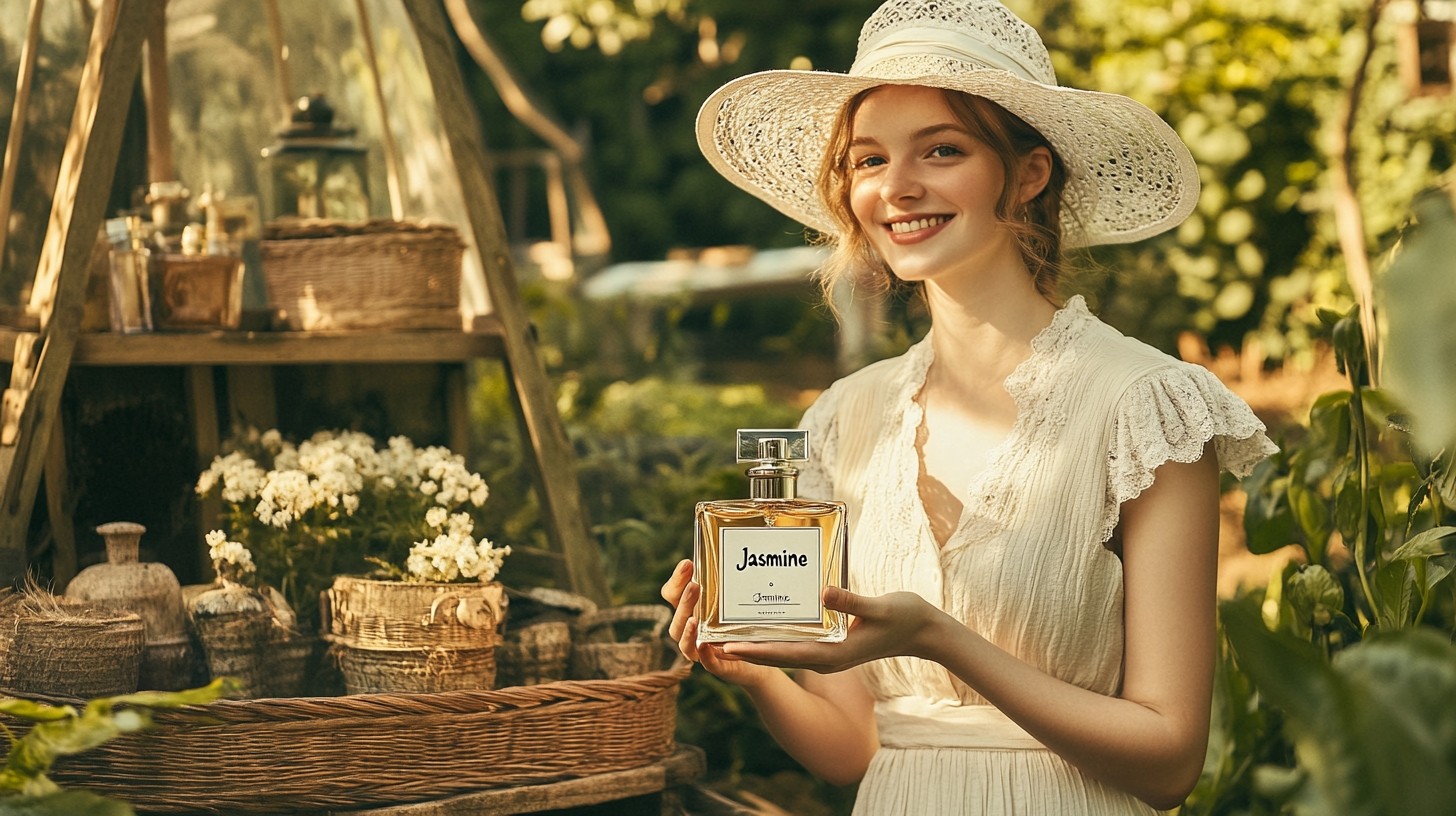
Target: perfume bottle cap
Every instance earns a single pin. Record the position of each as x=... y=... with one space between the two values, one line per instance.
x=771 y=451
x=773 y=445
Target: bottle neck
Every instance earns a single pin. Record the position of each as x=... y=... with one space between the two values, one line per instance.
x=123 y=541
x=773 y=479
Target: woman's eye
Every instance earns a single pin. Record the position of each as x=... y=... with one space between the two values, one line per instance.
x=869 y=161
x=944 y=151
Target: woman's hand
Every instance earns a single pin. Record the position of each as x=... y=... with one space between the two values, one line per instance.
x=682 y=592
x=900 y=623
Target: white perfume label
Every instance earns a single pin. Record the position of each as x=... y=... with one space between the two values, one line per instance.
x=771 y=574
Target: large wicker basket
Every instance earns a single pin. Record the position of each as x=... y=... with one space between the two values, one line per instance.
x=377 y=274
x=282 y=755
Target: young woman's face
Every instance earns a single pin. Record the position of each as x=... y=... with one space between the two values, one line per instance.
x=924 y=190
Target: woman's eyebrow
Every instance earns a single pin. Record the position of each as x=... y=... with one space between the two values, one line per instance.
x=930 y=130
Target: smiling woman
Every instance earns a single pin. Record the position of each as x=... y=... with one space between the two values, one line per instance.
x=1032 y=495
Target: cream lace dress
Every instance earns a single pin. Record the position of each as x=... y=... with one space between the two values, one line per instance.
x=1027 y=566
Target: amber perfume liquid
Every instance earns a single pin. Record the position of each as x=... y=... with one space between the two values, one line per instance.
x=763 y=565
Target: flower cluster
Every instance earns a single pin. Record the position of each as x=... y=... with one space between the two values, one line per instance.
x=230 y=559
x=337 y=503
x=454 y=553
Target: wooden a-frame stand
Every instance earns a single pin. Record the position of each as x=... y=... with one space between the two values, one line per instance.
x=42 y=358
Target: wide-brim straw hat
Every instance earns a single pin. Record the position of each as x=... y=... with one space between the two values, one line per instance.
x=1129 y=175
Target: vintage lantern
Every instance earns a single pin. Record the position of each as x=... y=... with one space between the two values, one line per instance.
x=317 y=169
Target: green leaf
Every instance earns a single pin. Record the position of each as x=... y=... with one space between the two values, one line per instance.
x=64 y=803
x=1404 y=683
x=1349 y=507
x=1268 y=521
x=173 y=699
x=1375 y=733
x=1329 y=422
x=1427 y=543
x=1312 y=515
x=1418 y=300
x=31 y=710
x=1438 y=569
x=1394 y=589
x=1443 y=478
x=1285 y=669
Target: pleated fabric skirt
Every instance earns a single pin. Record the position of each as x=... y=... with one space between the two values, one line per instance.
x=938 y=759
x=985 y=782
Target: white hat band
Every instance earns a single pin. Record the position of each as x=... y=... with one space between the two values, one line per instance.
x=926 y=40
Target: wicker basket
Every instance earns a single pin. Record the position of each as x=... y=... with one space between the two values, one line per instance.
x=88 y=652
x=371 y=671
x=375 y=274
x=235 y=645
x=537 y=653
x=601 y=651
x=422 y=637
x=270 y=756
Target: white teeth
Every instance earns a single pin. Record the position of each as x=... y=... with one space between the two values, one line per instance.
x=918 y=224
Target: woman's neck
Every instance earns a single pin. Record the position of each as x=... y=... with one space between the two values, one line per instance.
x=983 y=332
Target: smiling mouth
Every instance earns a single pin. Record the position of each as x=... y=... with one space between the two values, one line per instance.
x=902 y=227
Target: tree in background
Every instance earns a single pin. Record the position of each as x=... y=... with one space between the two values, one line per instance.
x=1256 y=88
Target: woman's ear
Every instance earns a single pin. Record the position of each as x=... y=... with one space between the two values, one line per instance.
x=1036 y=171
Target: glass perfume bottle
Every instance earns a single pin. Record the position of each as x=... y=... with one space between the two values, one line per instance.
x=131 y=262
x=763 y=562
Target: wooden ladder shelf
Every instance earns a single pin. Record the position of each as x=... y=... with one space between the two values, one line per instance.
x=42 y=358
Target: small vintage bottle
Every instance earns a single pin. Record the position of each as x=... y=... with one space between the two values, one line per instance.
x=763 y=562
x=131 y=263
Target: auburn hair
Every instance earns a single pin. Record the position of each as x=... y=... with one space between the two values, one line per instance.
x=1036 y=225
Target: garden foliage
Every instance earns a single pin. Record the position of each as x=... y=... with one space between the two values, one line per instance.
x=1334 y=685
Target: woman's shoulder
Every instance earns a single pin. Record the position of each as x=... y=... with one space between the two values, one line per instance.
x=866 y=394
x=1106 y=347
x=879 y=378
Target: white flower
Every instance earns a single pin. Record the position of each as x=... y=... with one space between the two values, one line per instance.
x=228 y=557
x=455 y=554
x=340 y=485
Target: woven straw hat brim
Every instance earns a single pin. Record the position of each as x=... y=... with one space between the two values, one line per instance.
x=1129 y=175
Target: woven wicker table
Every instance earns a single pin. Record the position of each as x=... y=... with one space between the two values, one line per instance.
x=651 y=790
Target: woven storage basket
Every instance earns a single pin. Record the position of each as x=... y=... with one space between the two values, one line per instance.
x=324 y=274
x=600 y=651
x=271 y=756
x=235 y=644
x=370 y=671
x=425 y=637
x=537 y=653
x=90 y=652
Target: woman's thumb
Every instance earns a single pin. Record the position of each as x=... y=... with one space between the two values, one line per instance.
x=842 y=600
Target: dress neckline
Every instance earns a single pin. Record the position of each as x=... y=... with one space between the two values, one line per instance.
x=977 y=497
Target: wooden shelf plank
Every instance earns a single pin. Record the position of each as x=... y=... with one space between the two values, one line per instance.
x=684 y=766
x=280 y=348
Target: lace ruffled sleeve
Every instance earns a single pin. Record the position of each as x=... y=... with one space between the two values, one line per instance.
x=1168 y=416
x=816 y=476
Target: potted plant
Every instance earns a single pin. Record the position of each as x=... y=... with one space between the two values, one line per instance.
x=431 y=625
x=383 y=529
x=246 y=629
x=335 y=503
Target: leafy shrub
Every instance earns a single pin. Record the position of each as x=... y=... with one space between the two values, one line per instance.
x=1333 y=682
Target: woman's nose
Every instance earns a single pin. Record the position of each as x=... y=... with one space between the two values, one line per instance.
x=901 y=182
